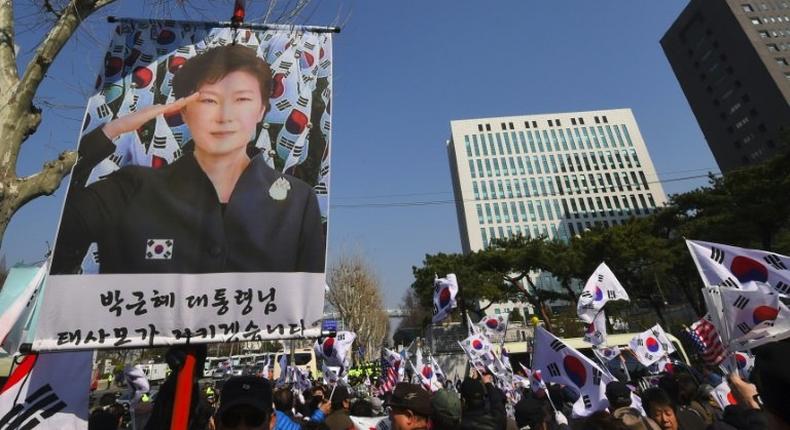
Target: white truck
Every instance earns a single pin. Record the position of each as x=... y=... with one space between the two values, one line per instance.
x=155 y=372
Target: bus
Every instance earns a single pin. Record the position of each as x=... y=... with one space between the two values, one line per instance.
x=211 y=365
x=304 y=359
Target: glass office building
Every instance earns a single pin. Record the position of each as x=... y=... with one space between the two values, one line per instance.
x=549 y=175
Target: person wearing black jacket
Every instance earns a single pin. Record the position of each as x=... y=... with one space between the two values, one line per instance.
x=483 y=405
x=217 y=208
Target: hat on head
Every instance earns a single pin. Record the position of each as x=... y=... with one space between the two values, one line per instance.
x=411 y=397
x=339 y=394
x=530 y=411
x=446 y=406
x=249 y=391
x=618 y=393
x=473 y=390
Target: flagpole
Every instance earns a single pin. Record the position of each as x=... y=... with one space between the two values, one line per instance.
x=244 y=25
x=183 y=397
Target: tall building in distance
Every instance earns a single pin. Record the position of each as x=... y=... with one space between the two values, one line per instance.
x=551 y=175
x=732 y=59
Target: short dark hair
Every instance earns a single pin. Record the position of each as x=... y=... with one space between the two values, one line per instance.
x=216 y=63
x=656 y=397
x=283 y=400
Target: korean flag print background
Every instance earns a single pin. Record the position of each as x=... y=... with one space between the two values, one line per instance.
x=294 y=137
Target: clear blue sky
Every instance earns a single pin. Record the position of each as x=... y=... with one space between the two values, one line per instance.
x=403 y=70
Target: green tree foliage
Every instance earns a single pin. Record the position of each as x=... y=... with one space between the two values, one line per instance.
x=749 y=207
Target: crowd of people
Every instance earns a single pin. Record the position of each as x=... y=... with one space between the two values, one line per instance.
x=680 y=400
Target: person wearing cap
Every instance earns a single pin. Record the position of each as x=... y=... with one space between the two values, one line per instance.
x=483 y=406
x=410 y=407
x=245 y=403
x=619 y=396
x=446 y=410
x=339 y=419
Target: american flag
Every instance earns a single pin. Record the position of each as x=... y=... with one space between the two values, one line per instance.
x=389 y=377
x=704 y=336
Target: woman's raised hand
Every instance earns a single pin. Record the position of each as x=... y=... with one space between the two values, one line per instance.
x=135 y=120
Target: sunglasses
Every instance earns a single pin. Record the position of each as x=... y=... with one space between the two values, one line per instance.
x=250 y=419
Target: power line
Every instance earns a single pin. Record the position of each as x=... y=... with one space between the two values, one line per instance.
x=454 y=201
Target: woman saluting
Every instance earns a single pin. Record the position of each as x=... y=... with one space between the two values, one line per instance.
x=218 y=208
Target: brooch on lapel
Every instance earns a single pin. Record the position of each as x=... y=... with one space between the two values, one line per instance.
x=279 y=189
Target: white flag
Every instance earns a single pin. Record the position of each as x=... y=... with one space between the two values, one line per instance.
x=739 y=362
x=723 y=395
x=444 y=292
x=561 y=364
x=335 y=351
x=731 y=266
x=438 y=371
x=493 y=326
x=49 y=390
x=18 y=297
x=595 y=333
x=479 y=350
x=607 y=353
x=753 y=317
x=651 y=345
x=599 y=289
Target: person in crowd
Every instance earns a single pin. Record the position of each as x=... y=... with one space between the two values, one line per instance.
x=245 y=402
x=339 y=418
x=601 y=420
x=283 y=409
x=660 y=407
x=689 y=398
x=446 y=407
x=687 y=418
x=534 y=413
x=482 y=406
x=102 y=419
x=619 y=396
x=410 y=407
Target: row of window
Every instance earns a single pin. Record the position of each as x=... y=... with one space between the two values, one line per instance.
x=551 y=123
x=758 y=20
x=563 y=231
x=566 y=208
x=766 y=5
x=551 y=141
x=555 y=186
x=546 y=164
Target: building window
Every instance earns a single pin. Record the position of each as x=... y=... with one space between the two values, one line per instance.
x=479 y=127
x=573 y=121
x=526 y=124
x=772 y=47
x=605 y=121
x=747 y=8
x=488 y=127
x=764 y=34
x=782 y=61
x=597 y=120
x=534 y=124
x=756 y=21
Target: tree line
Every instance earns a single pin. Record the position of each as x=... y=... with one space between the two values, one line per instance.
x=749 y=207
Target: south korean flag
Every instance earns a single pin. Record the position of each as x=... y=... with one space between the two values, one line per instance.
x=651 y=345
x=444 y=292
x=561 y=364
x=734 y=267
x=159 y=249
x=601 y=287
x=595 y=333
x=754 y=317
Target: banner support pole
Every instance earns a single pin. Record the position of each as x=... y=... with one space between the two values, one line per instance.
x=183 y=398
x=244 y=25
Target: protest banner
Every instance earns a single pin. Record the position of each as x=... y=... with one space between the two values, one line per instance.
x=157 y=245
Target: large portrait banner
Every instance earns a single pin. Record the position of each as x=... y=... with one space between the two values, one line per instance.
x=197 y=209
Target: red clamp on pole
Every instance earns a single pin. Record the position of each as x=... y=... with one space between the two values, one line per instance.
x=238 y=12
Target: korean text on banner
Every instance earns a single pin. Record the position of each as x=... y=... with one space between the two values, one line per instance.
x=156 y=244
